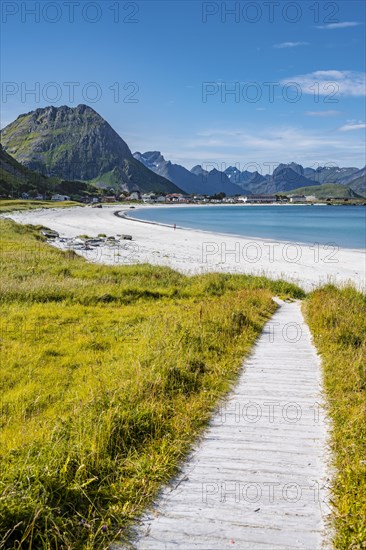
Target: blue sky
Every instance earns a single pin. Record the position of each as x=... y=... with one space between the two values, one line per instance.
x=245 y=83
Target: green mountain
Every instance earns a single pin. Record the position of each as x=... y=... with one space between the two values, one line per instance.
x=327 y=190
x=78 y=144
x=16 y=179
x=358 y=185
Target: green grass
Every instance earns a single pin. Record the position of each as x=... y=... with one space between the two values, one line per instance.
x=16 y=179
x=13 y=205
x=331 y=190
x=108 y=375
x=338 y=322
x=109 y=179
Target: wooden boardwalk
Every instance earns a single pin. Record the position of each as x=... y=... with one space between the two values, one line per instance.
x=257 y=477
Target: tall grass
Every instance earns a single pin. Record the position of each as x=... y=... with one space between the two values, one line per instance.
x=337 y=319
x=9 y=205
x=107 y=376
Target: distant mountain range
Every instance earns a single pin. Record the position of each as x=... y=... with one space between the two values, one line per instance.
x=78 y=145
x=197 y=180
x=232 y=181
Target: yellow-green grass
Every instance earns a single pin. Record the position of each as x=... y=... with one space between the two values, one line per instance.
x=108 y=374
x=337 y=319
x=9 y=205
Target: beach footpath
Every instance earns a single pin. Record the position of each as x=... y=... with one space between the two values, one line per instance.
x=258 y=477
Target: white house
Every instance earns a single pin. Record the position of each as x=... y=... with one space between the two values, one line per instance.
x=297 y=198
x=257 y=199
x=148 y=197
x=134 y=196
x=60 y=198
x=176 y=197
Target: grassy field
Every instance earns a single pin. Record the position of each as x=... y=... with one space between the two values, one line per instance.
x=337 y=319
x=11 y=205
x=327 y=190
x=107 y=375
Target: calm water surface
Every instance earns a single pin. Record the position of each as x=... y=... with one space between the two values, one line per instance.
x=344 y=226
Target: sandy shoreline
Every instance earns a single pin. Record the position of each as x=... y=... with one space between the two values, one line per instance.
x=124 y=213
x=192 y=251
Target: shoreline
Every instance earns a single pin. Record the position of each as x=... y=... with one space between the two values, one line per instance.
x=192 y=251
x=232 y=235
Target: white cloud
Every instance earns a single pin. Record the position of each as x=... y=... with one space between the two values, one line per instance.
x=290 y=44
x=331 y=83
x=322 y=114
x=352 y=125
x=340 y=25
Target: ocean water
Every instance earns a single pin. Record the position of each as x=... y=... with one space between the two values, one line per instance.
x=343 y=226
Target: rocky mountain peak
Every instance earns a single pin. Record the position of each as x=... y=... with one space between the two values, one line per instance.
x=76 y=143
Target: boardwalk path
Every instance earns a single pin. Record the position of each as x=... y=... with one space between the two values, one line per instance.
x=256 y=479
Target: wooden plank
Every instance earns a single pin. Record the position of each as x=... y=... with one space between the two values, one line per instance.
x=256 y=484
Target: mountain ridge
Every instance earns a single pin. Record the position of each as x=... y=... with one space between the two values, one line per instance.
x=16 y=179
x=285 y=177
x=194 y=181
x=76 y=143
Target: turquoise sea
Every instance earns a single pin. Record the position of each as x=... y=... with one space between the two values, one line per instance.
x=344 y=226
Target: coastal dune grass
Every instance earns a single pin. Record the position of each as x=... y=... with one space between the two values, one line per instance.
x=108 y=374
x=337 y=319
x=9 y=205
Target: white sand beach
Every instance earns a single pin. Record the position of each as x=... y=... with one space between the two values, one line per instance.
x=193 y=251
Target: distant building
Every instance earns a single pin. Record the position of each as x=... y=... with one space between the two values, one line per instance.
x=297 y=198
x=257 y=199
x=310 y=198
x=134 y=196
x=60 y=198
x=176 y=197
x=149 y=197
x=109 y=199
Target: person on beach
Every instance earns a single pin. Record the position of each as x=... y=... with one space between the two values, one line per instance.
x=175 y=225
